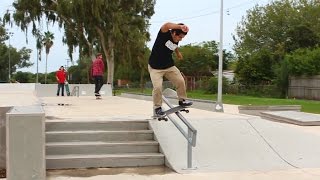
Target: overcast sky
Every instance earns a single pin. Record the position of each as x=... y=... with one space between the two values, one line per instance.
x=202 y=17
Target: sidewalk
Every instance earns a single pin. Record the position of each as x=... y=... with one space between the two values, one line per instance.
x=300 y=174
x=229 y=145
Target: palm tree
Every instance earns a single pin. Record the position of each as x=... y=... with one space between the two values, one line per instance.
x=47 y=43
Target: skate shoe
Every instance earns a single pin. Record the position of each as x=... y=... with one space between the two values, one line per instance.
x=185 y=103
x=158 y=111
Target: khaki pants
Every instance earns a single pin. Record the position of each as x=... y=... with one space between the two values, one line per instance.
x=172 y=74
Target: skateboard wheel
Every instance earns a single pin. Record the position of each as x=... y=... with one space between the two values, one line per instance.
x=162 y=119
x=187 y=111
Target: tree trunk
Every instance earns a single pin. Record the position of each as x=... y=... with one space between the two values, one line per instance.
x=109 y=52
x=111 y=68
x=88 y=73
x=45 y=75
x=142 y=80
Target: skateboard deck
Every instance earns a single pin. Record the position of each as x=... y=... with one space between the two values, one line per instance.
x=66 y=85
x=171 y=111
x=98 y=97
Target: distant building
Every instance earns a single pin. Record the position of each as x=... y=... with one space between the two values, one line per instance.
x=229 y=75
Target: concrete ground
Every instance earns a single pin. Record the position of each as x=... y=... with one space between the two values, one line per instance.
x=229 y=145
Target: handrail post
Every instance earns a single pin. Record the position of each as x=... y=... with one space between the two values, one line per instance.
x=78 y=89
x=75 y=91
x=190 y=136
x=189 y=150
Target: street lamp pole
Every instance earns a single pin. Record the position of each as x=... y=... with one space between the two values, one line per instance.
x=9 y=67
x=218 y=105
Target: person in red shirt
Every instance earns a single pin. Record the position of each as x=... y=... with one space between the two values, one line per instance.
x=97 y=71
x=61 y=78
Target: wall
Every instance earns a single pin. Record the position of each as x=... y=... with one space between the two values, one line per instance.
x=47 y=90
x=304 y=87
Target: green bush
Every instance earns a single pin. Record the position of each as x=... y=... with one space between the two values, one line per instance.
x=304 y=62
x=212 y=86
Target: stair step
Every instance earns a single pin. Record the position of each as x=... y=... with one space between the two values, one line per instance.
x=80 y=143
x=72 y=125
x=76 y=136
x=104 y=160
x=98 y=147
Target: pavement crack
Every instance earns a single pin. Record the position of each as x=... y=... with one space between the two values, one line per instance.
x=271 y=147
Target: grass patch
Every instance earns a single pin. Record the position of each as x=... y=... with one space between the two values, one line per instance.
x=306 y=105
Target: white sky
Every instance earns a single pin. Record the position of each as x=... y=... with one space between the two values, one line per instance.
x=202 y=17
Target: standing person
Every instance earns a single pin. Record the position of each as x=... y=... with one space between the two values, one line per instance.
x=162 y=65
x=61 y=78
x=97 y=71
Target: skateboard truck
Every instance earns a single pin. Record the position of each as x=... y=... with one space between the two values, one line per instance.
x=171 y=111
x=185 y=110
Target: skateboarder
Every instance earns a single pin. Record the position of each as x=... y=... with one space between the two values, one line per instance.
x=97 y=71
x=162 y=65
x=61 y=78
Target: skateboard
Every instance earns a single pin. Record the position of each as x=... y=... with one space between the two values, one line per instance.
x=171 y=111
x=66 y=85
x=98 y=97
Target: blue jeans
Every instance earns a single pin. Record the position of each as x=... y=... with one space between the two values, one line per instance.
x=60 y=86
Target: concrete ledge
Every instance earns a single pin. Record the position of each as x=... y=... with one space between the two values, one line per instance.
x=256 y=110
x=3 y=111
x=25 y=143
x=9 y=87
x=293 y=117
x=49 y=90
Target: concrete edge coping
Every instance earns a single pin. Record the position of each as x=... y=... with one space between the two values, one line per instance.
x=270 y=108
x=240 y=107
x=26 y=110
x=286 y=119
x=147 y=95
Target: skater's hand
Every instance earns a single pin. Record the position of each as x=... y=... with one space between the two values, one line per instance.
x=184 y=28
x=179 y=55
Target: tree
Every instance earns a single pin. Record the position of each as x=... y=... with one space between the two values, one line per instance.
x=79 y=73
x=301 y=36
x=18 y=58
x=90 y=25
x=202 y=59
x=303 y=62
x=197 y=61
x=137 y=56
x=24 y=77
x=47 y=43
x=267 y=33
x=253 y=71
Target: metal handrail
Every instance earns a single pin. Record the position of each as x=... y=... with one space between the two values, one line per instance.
x=191 y=135
x=75 y=91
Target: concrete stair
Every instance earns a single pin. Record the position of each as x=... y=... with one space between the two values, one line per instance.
x=89 y=144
